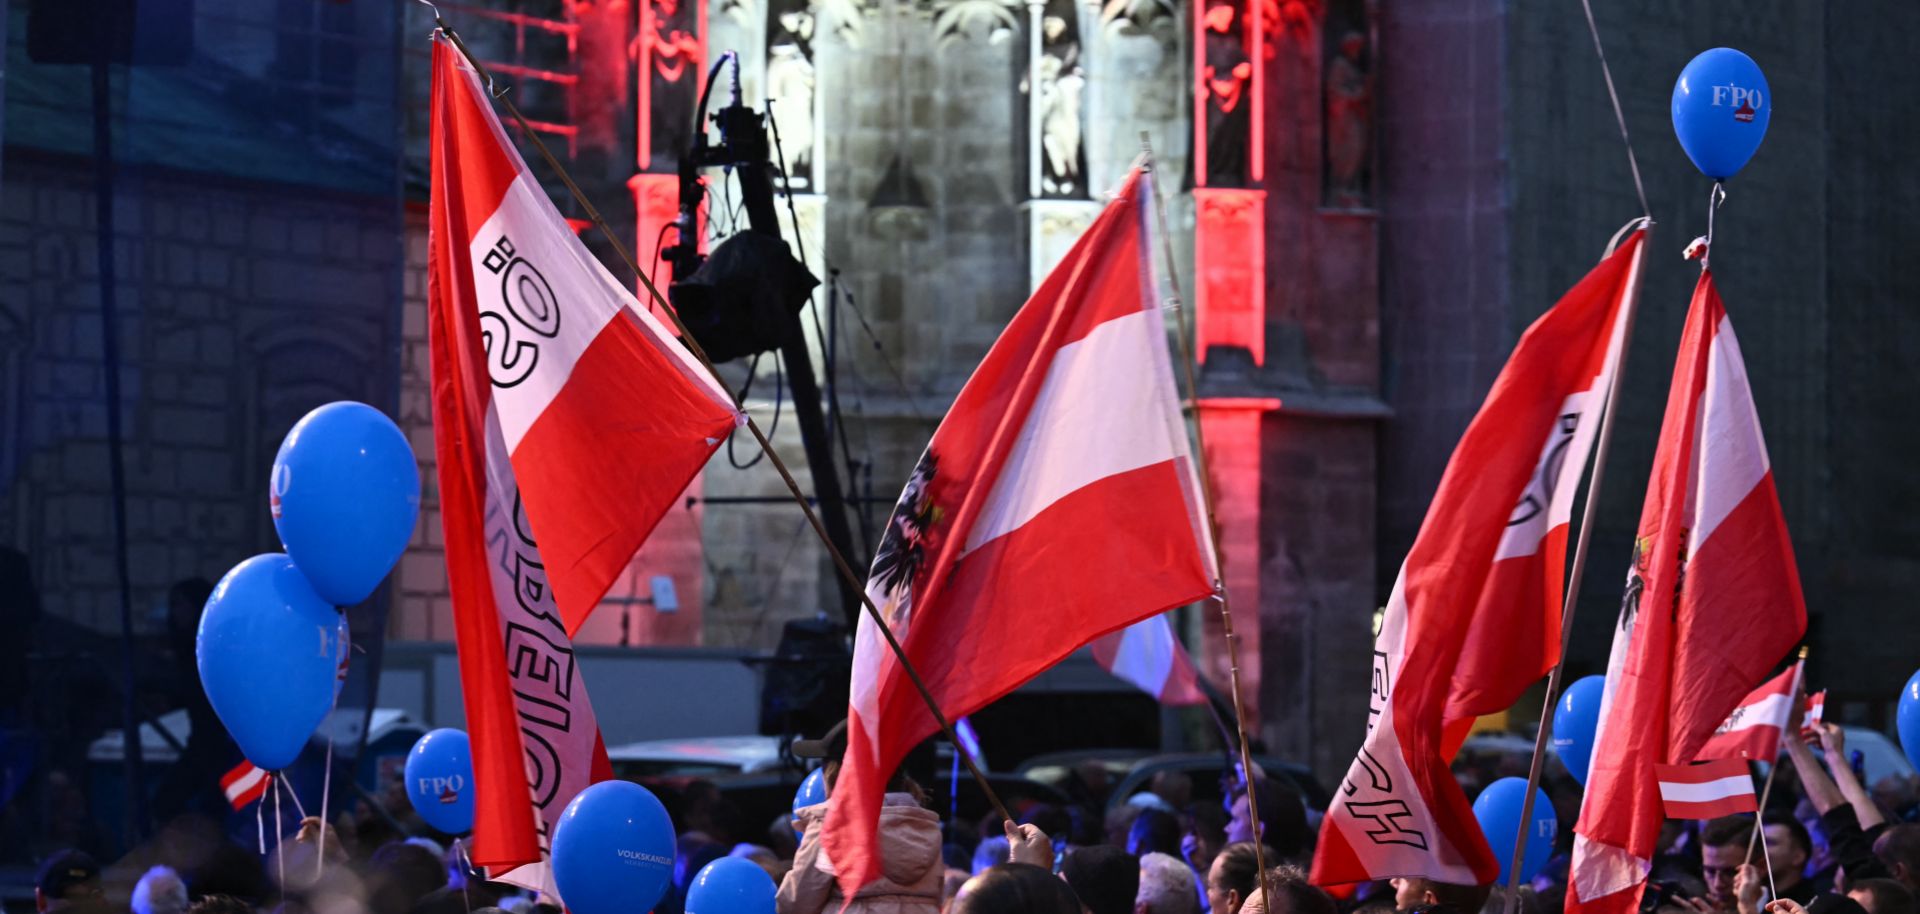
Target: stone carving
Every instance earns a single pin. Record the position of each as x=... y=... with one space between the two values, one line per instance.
x=1128 y=17
x=1062 y=86
x=1348 y=111
x=961 y=20
x=791 y=86
x=665 y=54
x=1227 y=83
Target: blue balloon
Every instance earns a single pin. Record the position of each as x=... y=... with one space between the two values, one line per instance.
x=345 y=495
x=1908 y=719
x=731 y=885
x=1498 y=809
x=813 y=790
x=1575 y=723
x=440 y=780
x=270 y=651
x=1721 y=106
x=613 y=850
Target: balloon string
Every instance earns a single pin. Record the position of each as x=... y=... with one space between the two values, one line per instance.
x=1618 y=115
x=326 y=787
x=280 y=839
x=260 y=821
x=1715 y=197
x=302 y=810
x=466 y=872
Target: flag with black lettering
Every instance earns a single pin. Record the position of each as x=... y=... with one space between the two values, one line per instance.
x=566 y=420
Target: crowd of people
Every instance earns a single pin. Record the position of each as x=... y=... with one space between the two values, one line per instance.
x=1828 y=843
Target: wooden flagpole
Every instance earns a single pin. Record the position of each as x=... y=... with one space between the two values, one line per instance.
x=1571 y=599
x=693 y=346
x=1213 y=525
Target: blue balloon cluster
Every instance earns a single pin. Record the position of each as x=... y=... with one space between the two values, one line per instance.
x=613 y=850
x=1575 y=723
x=731 y=885
x=1721 y=107
x=1907 y=719
x=1498 y=809
x=270 y=651
x=440 y=780
x=272 y=647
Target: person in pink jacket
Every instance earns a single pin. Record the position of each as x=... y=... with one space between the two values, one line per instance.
x=912 y=873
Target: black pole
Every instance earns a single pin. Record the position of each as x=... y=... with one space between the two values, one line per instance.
x=756 y=188
x=110 y=355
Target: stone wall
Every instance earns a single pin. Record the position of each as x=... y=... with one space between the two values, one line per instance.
x=241 y=307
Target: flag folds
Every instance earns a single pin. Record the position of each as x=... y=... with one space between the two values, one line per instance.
x=559 y=408
x=1148 y=656
x=1057 y=502
x=1712 y=603
x=244 y=784
x=1475 y=615
x=1753 y=730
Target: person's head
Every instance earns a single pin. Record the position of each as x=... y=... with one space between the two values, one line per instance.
x=1175 y=787
x=1283 y=816
x=1899 y=850
x=1883 y=896
x=1232 y=876
x=1015 y=888
x=1412 y=893
x=1166 y=887
x=1790 y=847
x=399 y=874
x=990 y=853
x=1154 y=832
x=68 y=879
x=160 y=891
x=1105 y=877
x=1291 y=895
x=1723 y=849
x=220 y=904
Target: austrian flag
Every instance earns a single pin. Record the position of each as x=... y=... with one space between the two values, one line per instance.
x=1709 y=790
x=1754 y=728
x=566 y=420
x=246 y=783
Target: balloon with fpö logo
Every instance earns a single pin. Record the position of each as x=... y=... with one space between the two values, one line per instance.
x=731 y=885
x=1721 y=107
x=344 y=495
x=440 y=780
x=1498 y=810
x=613 y=850
x=270 y=651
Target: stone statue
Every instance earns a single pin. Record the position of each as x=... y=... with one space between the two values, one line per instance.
x=1062 y=86
x=1349 y=124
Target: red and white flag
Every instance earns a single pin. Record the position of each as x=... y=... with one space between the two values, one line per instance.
x=246 y=783
x=1711 y=522
x=1057 y=502
x=1753 y=730
x=1151 y=658
x=1813 y=713
x=559 y=409
x=1708 y=790
x=1475 y=615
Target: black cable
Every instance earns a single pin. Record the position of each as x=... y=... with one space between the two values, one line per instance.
x=700 y=113
x=773 y=428
x=659 y=244
x=898 y=378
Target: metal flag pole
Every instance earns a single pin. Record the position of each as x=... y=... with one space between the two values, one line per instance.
x=1630 y=301
x=1213 y=524
x=1773 y=766
x=759 y=437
